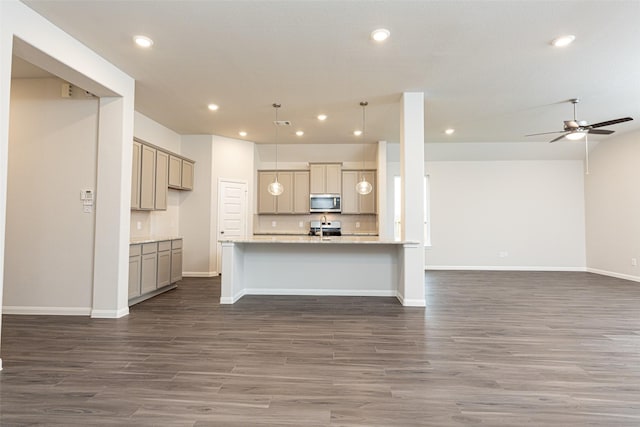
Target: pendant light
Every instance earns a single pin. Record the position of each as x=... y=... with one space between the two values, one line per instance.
x=275 y=188
x=363 y=187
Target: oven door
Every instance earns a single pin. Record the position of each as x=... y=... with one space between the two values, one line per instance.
x=324 y=203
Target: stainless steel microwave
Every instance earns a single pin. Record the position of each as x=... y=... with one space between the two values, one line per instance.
x=325 y=203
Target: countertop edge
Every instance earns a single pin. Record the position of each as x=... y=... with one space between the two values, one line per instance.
x=142 y=240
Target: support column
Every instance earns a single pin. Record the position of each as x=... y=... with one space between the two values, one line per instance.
x=412 y=177
x=113 y=195
x=381 y=182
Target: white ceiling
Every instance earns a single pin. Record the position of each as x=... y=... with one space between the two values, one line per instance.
x=486 y=67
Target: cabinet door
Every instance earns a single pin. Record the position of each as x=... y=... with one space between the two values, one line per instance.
x=187 y=175
x=367 y=202
x=134 y=276
x=148 y=276
x=147 y=177
x=135 y=176
x=284 y=202
x=164 y=267
x=176 y=265
x=349 y=194
x=301 y=192
x=266 y=202
x=175 y=172
x=162 y=176
x=333 y=177
x=317 y=178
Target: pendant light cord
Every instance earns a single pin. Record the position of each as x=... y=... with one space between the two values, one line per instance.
x=364 y=133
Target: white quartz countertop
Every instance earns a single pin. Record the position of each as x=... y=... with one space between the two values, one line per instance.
x=140 y=240
x=369 y=240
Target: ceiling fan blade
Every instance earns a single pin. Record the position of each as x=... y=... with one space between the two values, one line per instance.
x=601 y=131
x=545 y=133
x=558 y=138
x=610 y=122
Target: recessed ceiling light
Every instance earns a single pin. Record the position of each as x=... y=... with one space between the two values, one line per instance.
x=299 y=133
x=380 y=35
x=242 y=133
x=357 y=132
x=322 y=117
x=143 y=41
x=449 y=131
x=563 y=41
x=213 y=107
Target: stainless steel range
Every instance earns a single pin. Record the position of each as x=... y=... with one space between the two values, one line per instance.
x=329 y=228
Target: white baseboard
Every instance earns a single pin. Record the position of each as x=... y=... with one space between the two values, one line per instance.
x=53 y=311
x=200 y=274
x=502 y=268
x=321 y=292
x=410 y=302
x=110 y=314
x=614 y=274
x=233 y=299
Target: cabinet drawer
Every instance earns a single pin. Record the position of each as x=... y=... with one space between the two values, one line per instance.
x=164 y=246
x=149 y=248
x=176 y=244
x=135 y=250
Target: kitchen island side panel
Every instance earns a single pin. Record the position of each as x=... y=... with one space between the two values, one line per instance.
x=321 y=269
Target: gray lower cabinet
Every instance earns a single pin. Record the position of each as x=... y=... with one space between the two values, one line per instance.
x=149 y=274
x=164 y=263
x=135 y=264
x=153 y=267
x=176 y=260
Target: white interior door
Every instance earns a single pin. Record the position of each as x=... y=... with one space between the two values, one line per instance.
x=232 y=212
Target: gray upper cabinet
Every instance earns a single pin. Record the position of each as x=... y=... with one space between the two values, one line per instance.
x=175 y=172
x=180 y=173
x=135 y=176
x=325 y=178
x=187 y=175
x=294 y=199
x=162 y=176
x=153 y=172
x=147 y=177
x=301 y=192
x=352 y=201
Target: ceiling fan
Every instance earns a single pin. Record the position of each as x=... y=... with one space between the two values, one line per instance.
x=576 y=129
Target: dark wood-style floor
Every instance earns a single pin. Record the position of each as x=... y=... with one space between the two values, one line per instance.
x=492 y=348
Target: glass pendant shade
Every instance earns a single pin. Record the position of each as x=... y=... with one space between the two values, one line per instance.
x=275 y=188
x=364 y=187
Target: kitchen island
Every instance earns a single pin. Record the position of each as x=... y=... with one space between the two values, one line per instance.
x=310 y=265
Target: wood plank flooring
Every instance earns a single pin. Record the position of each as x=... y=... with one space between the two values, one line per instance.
x=492 y=348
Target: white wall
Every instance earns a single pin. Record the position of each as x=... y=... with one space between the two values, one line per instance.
x=195 y=209
x=531 y=209
x=49 y=240
x=613 y=207
x=157 y=223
